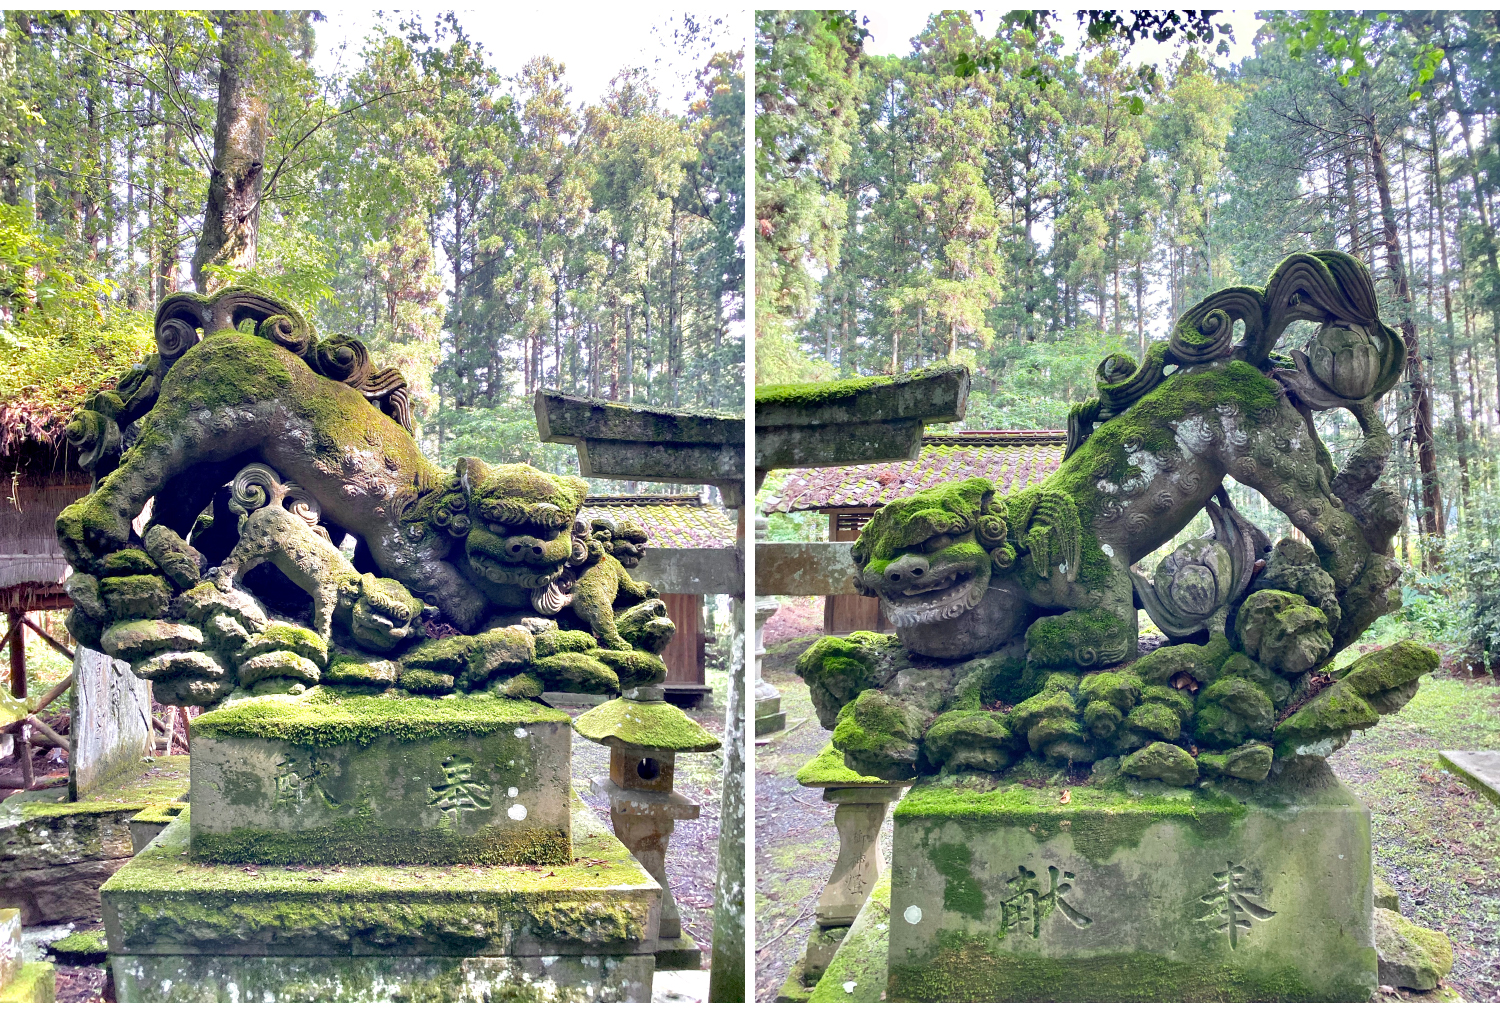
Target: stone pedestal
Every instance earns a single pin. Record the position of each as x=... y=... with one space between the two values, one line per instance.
x=1132 y=892
x=329 y=777
x=769 y=717
x=860 y=804
x=180 y=930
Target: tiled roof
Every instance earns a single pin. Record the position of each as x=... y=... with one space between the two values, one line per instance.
x=1012 y=459
x=672 y=522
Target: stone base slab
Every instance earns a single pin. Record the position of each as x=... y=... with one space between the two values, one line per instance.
x=207 y=978
x=678 y=953
x=369 y=779
x=164 y=903
x=1481 y=770
x=1004 y=892
x=858 y=971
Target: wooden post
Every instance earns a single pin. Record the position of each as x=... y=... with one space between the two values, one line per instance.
x=16 y=634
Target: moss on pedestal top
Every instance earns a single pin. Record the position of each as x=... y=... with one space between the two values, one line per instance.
x=644 y=724
x=827 y=770
x=329 y=717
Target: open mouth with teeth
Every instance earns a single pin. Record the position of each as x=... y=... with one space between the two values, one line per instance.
x=945 y=592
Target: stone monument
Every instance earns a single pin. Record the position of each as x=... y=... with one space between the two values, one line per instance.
x=1090 y=825
x=380 y=804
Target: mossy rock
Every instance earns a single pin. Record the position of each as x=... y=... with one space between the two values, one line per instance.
x=970 y=740
x=299 y=640
x=646 y=724
x=449 y=655
x=987 y=681
x=838 y=669
x=564 y=641
x=880 y=735
x=1219 y=728
x=135 y=642
x=278 y=665
x=1103 y=719
x=1241 y=666
x=1281 y=630
x=1122 y=690
x=1328 y=717
x=145 y=596
x=1199 y=662
x=1180 y=701
x=1410 y=956
x=1062 y=740
x=127 y=563
x=1164 y=762
x=424 y=681
x=1043 y=707
x=571 y=672
x=1249 y=762
x=1242 y=697
x=171 y=552
x=1390 y=668
x=1155 y=719
x=80 y=949
x=634 y=668
x=355 y=671
x=525 y=686
x=498 y=652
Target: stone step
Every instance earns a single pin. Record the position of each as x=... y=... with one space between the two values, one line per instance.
x=1481 y=769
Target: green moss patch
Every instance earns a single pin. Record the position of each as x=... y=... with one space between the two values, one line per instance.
x=827 y=770
x=328 y=717
x=165 y=780
x=1100 y=819
x=648 y=724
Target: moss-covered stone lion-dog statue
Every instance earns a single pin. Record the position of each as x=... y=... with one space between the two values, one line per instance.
x=257 y=443
x=1016 y=616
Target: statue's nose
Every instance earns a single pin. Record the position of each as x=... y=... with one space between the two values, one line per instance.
x=905 y=571
x=524 y=548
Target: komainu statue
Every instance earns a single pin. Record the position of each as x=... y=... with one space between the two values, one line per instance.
x=1015 y=617
x=256 y=443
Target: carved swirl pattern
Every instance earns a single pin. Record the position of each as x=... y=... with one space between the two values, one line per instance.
x=550 y=600
x=990 y=530
x=344 y=359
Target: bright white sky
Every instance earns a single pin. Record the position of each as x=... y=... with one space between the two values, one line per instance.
x=592 y=42
x=893 y=27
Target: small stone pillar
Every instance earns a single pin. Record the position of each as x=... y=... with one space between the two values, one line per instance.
x=769 y=717
x=644 y=734
x=860 y=804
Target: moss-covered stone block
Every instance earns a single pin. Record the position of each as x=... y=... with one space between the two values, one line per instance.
x=1283 y=631
x=1389 y=668
x=145 y=596
x=1410 y=956
x=971 y=739
x=1129 y=891
x=1324 y=723
x=1163 y=762
x=345 y=777
x=880 y=734
x=184 y=930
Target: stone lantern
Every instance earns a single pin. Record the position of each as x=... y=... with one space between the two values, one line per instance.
x=644 y=734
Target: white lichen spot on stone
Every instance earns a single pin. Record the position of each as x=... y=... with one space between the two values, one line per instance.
x=849 y=988
x=520 y=733
x=912 y=915
x=516 y=812
x=512 y=792
x=1109 y=550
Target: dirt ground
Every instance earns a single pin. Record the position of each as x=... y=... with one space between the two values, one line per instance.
x=1436 y=840
x=692 y=854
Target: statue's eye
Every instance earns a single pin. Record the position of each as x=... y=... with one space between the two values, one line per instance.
x=937 y=543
